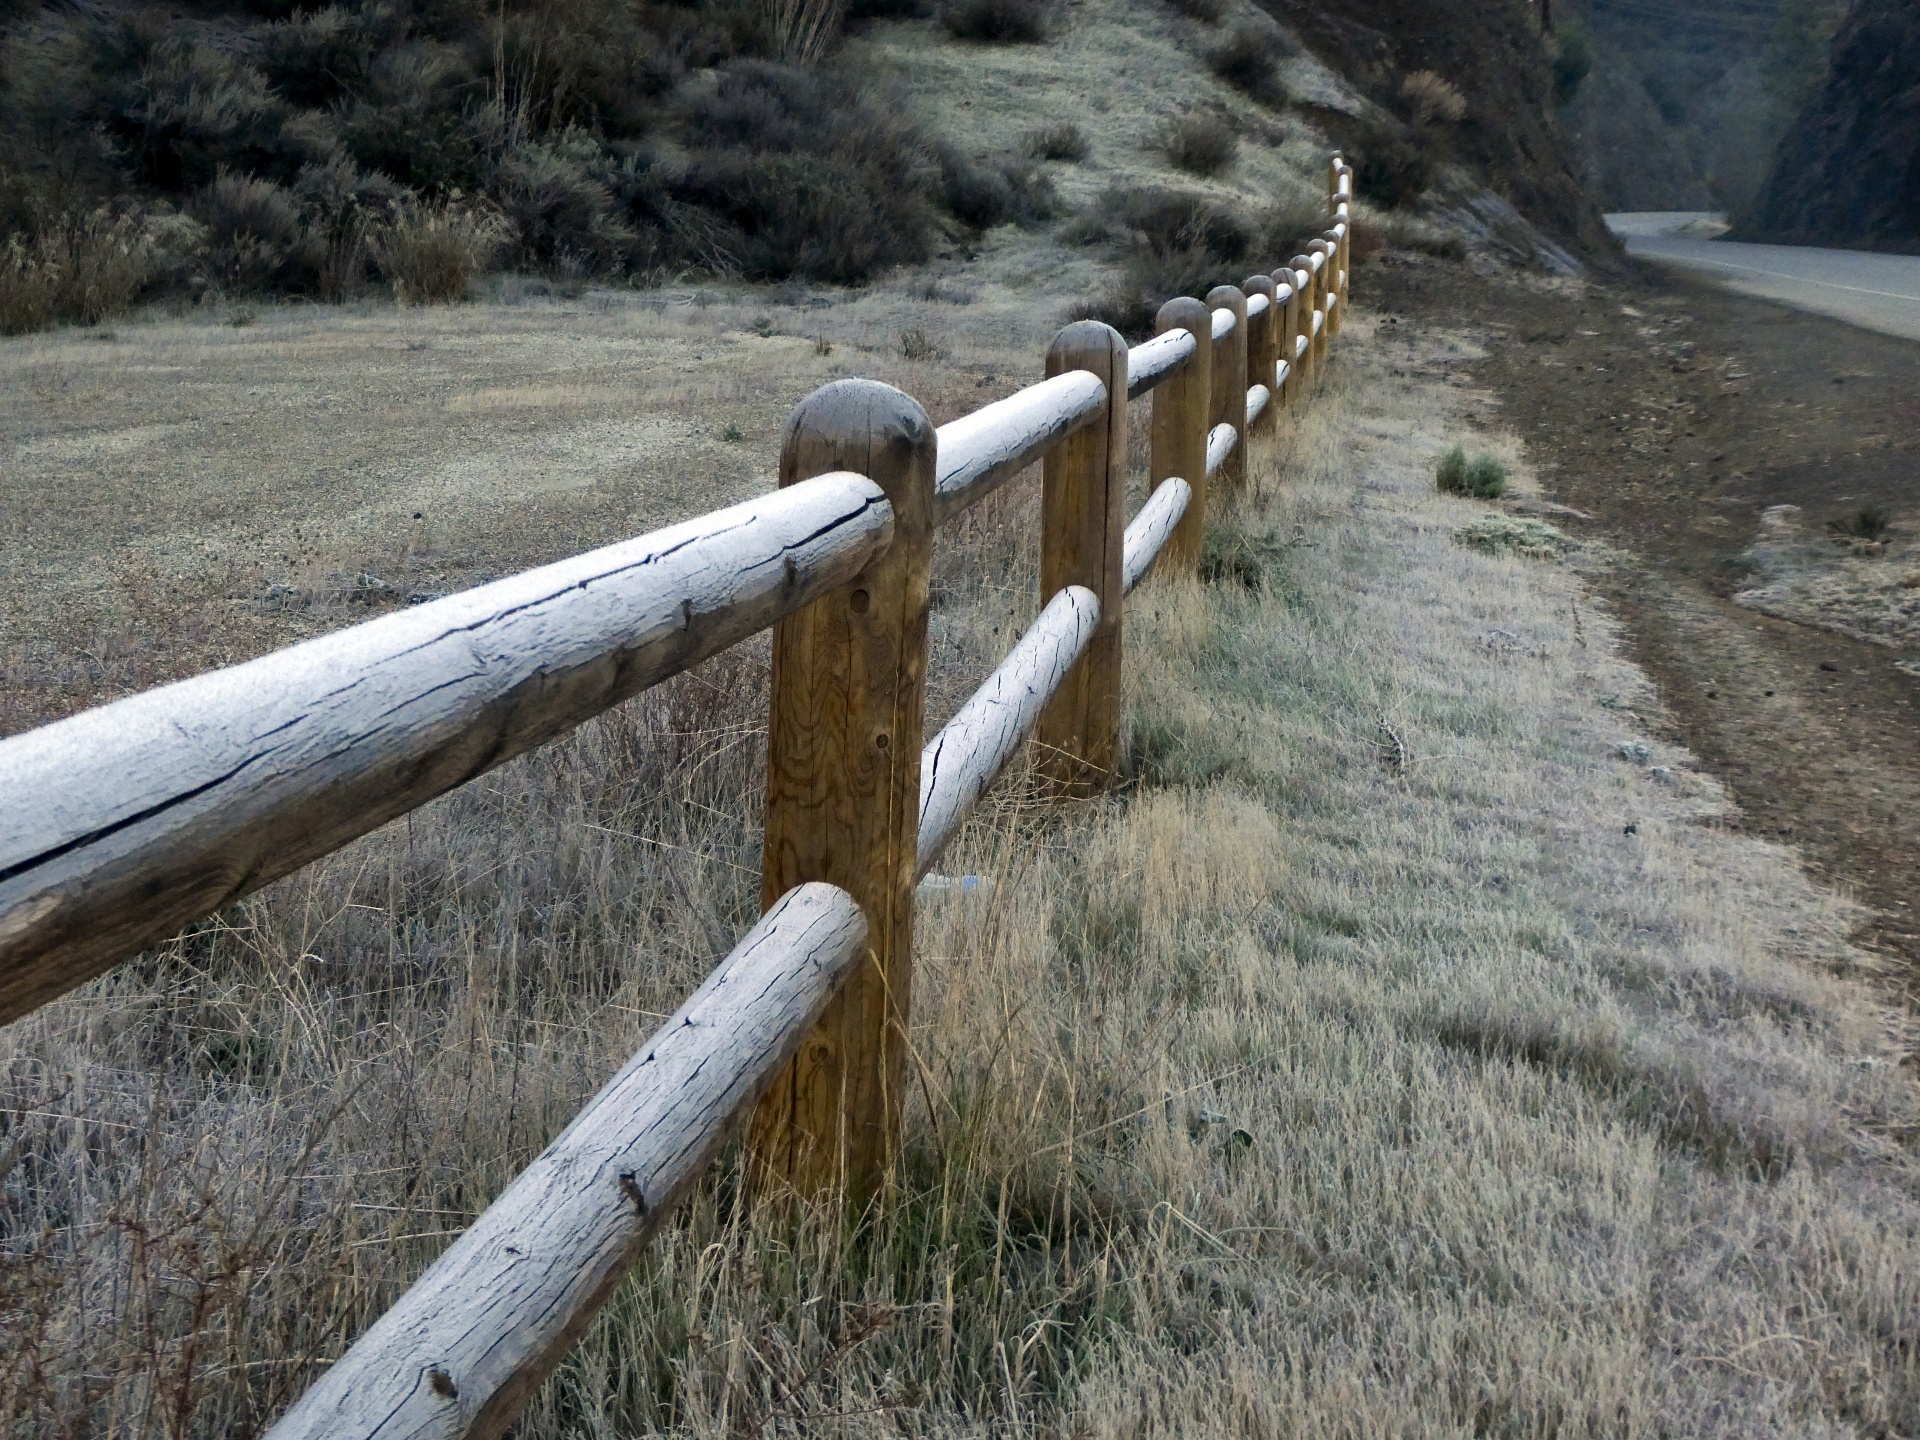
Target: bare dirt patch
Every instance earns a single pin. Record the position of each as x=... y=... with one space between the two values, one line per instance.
x=1677 y=416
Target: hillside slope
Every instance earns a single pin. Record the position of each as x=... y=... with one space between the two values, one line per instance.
x=1848 y=171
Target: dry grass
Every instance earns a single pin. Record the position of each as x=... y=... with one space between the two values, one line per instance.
x=1388 y=1056
x=1863 y=585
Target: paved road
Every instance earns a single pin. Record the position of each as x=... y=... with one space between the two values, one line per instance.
x=1876 y=292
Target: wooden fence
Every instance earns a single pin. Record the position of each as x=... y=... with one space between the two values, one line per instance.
x=129 y=821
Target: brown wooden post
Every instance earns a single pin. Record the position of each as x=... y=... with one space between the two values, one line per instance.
x=1082 y=542
x=1263 y=346
x=1181 y=404
x=1309 y=294
x=843 y=788
x=1230 y=382
x=1289 y=330
x=1322 y=287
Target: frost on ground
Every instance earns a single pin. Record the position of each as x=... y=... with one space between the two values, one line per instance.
x=1865 y=587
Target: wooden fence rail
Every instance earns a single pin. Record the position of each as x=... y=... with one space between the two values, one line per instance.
x=126 y=822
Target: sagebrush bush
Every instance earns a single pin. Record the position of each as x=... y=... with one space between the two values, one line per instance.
x=1432 y=100
x=432 y=254
x=1177 y=243
x=1481 y=478
x=996 y=22
x=1208 y=12
x=616 y=138
x=1249 y=61
x=984 y=195
x=81 y=269
x=1062 y=141
x=1572 y=62
x=1199 y=144
x=1388 y=168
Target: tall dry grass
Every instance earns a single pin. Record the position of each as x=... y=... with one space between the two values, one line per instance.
x=1349 y=1071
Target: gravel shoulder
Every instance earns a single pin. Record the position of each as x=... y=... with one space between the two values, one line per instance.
x=1677 y=416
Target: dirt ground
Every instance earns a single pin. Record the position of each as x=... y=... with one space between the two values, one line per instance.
x=1674 y=415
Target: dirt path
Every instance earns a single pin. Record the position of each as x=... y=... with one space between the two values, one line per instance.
x=1674 y=414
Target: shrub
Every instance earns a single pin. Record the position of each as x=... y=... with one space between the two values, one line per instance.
x=1064 y=141
x=1199 y=144
x=996 y=22
x=1431 y=100
x=76 y=269
x=560 y=212
x=432 y=253
x=915 y=344
x=1572 y=63
x=256 y=238
x=1389 y=168
x=1286 y=227
x=1870 y=522
x=984 y=196
x=1208 y=12
x=1180 y=244
x=1482 y=478
x=1248 y=60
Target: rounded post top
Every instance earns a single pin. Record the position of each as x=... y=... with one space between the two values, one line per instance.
x=1183 y=312
x=864 y=426
x=1087 y=345
x=1228 y=297
x=1260 y=285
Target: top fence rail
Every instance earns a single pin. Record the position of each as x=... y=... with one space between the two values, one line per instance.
x=129 y=821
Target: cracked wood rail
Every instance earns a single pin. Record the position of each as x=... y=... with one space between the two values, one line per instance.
x=124 y=823
x=461 y=1351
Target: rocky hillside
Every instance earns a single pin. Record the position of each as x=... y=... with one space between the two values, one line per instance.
x=1848 y=170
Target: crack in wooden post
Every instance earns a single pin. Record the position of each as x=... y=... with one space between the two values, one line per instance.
x=843 y=789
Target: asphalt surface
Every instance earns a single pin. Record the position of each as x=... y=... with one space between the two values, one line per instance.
x=1875 y=292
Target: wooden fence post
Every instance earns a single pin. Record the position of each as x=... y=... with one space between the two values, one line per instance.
x=1289 y=329
x=1263 y=347
x=1230 y=381
x=1082 y=542
x=843 y=788
x=1306 y=282
x=1181 y=406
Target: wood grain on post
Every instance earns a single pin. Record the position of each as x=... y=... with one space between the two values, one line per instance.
x=123 y=823
x=1322 y=281
x=1082 y=542
x=843 y=788
x=472 y=1338
x=1230 y=381
x=1287 y=331
x=1306 y=283
x=1263 y=348
x=1181 y=407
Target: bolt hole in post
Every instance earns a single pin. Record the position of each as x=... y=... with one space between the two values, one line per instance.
x=843 y=790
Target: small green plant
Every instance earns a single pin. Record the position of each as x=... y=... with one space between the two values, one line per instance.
x=916 y=344
x=1870 y=522
x=1064 y=141
x=1482 y=478
x=1199 y=144
x=732 y=433
x=1572 y=63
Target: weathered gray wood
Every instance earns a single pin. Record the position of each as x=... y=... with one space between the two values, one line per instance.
x=460 y=1352
x=960 y=763
x=1221 y=442
x=980 y=452
x=1149 y=531
x=1155 y=360
x=122 y=824
x=844 y=725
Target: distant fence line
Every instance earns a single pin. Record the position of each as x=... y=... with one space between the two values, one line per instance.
x=129 y=821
